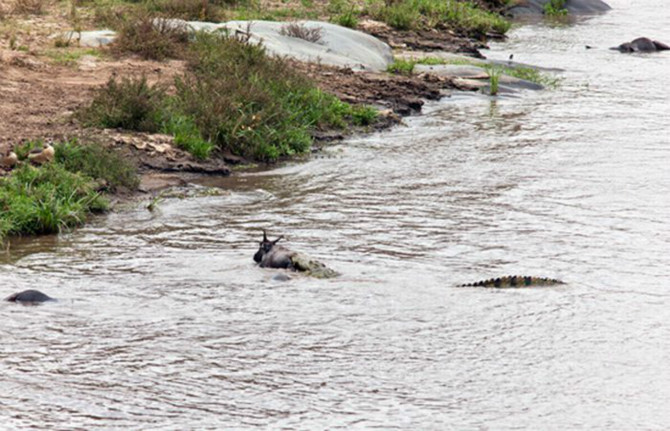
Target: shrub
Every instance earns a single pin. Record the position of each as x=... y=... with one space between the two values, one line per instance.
x=45 y=200
x=98 y=162
x=187 y=136
x=35 y=7
x=301 y=31
x=401 y=67
x=555 y=8
x=234 y=97
x=249 y=103
x=131 y=104
x=151 y=38
x=190 y=10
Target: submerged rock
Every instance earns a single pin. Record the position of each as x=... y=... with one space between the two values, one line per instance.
x=477 y=76
x=575 y=7
x=30 y=296
x=641 y=44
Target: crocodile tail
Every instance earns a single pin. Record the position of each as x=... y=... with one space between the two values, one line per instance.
x=514 y=281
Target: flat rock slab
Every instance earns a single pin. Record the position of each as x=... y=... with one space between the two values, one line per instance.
x=473 y=74
x=575 y=7
x=91 y=39
x=453 y=71
x=449 y=57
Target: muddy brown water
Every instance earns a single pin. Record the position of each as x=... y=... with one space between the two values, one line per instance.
x=165 y=323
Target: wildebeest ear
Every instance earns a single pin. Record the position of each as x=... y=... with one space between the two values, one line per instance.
x=277 y=240
x=265 y=236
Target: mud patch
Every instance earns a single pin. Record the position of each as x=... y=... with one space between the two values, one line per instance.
x=404 y=95
x=424 y=40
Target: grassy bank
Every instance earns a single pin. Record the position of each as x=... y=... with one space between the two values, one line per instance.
x=234 y=98
x=63 y=193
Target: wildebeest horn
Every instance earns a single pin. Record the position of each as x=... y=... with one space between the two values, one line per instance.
x=265 y=236
x=277 y=240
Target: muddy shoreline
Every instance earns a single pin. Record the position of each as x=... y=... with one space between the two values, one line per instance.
x=40 y=99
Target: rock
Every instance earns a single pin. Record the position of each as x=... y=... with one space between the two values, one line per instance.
x=9 y=160
x=575 y=7
x=29 y=297
x=42 y=156
x=477 y=77
x=641 y=44
x=281 y=277
x=337 y=45
x=92 y=39
x=453 y=71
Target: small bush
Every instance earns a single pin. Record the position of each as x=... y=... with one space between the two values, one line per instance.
x=35 y=7
x=190 y=10
x=187 y=136
x=130 y=104
x=401 y=67
x=344 y=13
x=249 y=103
x=151 y=38
x=364 y=115
x=301 y=31
x=45 y=200
x=347 y=19
x=97 y=162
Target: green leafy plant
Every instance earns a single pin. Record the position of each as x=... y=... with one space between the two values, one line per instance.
x=555 y=8
x=494 y=80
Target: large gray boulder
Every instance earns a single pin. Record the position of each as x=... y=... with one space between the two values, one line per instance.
x=337 y=46
x=575 y=7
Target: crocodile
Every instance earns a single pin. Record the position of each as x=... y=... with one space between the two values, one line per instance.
x=514 y=281
x=271 y=255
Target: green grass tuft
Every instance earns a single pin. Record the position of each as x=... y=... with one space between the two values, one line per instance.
x=97 y=162
x=463 y=17
x=47 y=199
x=555 y=8
x=187 y=136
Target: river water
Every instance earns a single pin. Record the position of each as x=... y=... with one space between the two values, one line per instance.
x=164 y=322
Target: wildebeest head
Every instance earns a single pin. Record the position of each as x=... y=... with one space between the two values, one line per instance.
x=265 y=247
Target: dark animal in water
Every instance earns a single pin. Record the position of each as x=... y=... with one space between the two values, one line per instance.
x=271 y=255
x=29 y=297
x=641 y=44
x=514 y=281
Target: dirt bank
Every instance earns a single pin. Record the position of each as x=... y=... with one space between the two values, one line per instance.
x=42 y=88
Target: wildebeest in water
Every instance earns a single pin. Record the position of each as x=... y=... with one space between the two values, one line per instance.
x=271 y=255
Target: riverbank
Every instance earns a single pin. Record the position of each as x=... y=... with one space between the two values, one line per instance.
x=47 y=81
